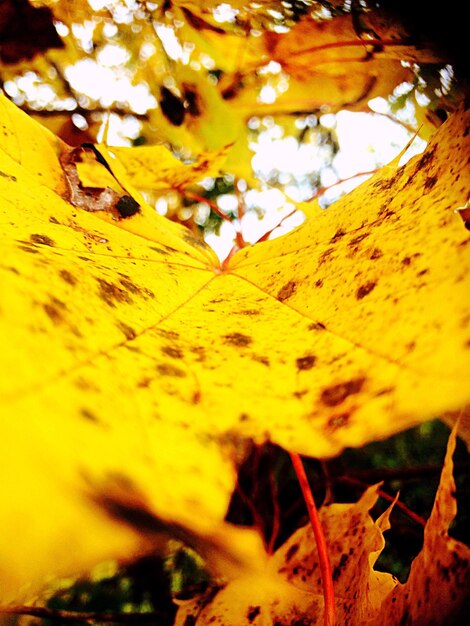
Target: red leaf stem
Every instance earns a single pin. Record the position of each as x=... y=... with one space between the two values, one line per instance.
x=325 y=567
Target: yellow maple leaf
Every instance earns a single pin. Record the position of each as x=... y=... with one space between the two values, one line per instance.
x=137 y=371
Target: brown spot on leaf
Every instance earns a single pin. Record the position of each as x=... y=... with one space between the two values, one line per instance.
x=291 y=551
x=316 y=326
x=338 y=234
x=375 y=254
x=111 y=293
x=287 y=291
x=172 y=107
x=55 y=310
x=89 y=415
x=253 y=612
x=159 y=250
x=430 y=182
x=365 y=289
x=169 y=334
x=43 y=240
x=337 y=394
x=129 y=333
x=260 y=359
x=306 y=362
x=248 y=312
x=238 y=339
x=172 y=351
x=200 y=352
x=341 y=565
x=167 y=369
x=192 y=100
x=30 y=250
x=129 y=285
x=358 y=239
x=338 y=421
x=68 y=277
x=325 y=256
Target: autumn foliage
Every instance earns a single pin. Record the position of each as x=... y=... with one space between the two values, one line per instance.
x=140 y=371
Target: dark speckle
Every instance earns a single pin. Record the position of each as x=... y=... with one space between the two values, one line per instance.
x=126 y=206
x=128 y=332
x=260 y=359
x=44 y=240
x=316 y=326
x=338 y=234
x=341 y=565
x=338 y=421
x=319 y=283
x=55 y=310
x=53 y=220
x=358 y=239
x=169 y=334
x=160 y=250
x=291 y=551
x=244 y=417
x=27 y=249
x=253 y=612
x=248 y=312
x=287 y=291
x=172 y=351
x=68 y=277
x=111 y=293
x=172 y=107
x=8 y=176
x=129 y=285
x=406 y=260
x=430 y=182
x=325 y=256
x=167 y=369
x=376 y=254
x=306 y=362
x=425 y=159
x=89 y=415
x=238 y=339
x=365 y=289
x=337 y=394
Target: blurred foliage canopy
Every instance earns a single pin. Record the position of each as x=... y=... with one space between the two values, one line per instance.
x=205 y=77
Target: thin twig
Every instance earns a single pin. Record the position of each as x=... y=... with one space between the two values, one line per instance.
x=276 y=525
x=195 y=196
x=76 y=616
x=386 y=496
x=404 y=473
x=82 y=111
x=319 y=192
x=324 y=561
x=389 y=43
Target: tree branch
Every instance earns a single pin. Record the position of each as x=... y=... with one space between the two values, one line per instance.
x=76 y=616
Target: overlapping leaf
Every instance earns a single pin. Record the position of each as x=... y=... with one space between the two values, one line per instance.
x=291 y=592
x=137 y=371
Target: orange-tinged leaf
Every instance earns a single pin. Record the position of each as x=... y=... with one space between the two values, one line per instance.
x=290 y=591
x=439 y=580
x=137 y=371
